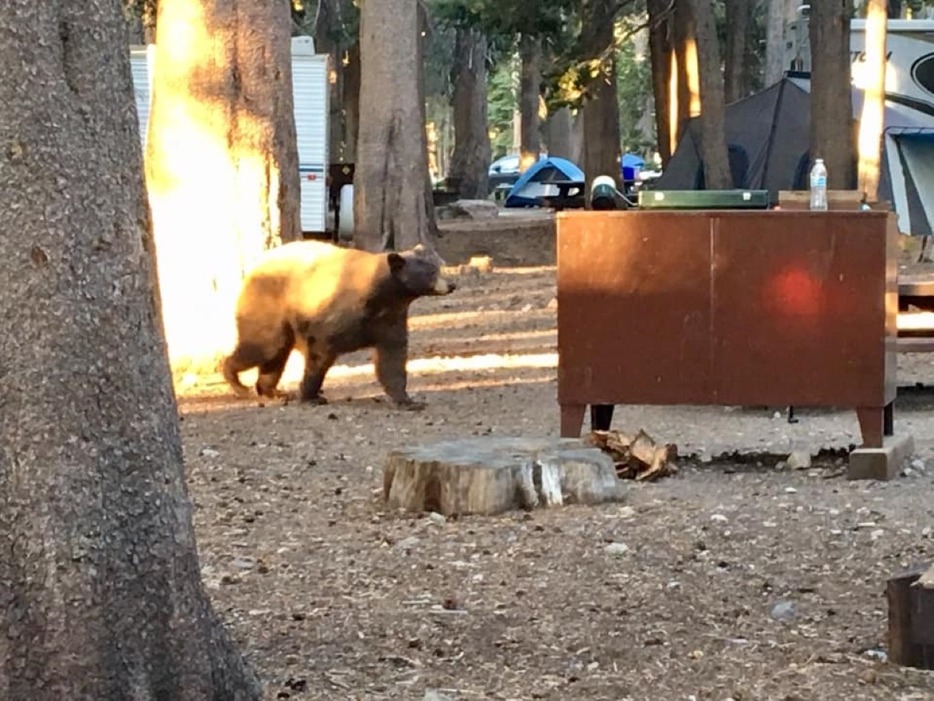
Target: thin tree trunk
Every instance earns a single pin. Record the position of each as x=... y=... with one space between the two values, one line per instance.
x=873 y=116
x=687 y=77
x=713 y=142
x=99 y=578
x=558 y=130
x=736 y=74
x=351 y=102
x=601 y=151
x=470 y=162
x=328 y=29
x=832 y=136
x=530 y=79
x=660 y=56
x=775 y=42
x=331 y=21
x=222 y=161
x=392 y=188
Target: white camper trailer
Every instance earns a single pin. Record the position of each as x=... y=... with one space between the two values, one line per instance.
x=310 y=97
x=909 y=73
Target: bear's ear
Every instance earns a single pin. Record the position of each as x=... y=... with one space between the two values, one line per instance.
x=396 y=262
x=419 y=248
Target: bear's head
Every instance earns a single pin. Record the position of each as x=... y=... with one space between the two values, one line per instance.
x=418 y=272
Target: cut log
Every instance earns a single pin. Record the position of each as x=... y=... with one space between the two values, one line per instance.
x=493 y=475
x=911 y=619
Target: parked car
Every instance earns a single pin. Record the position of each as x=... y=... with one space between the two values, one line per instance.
x=504 y=171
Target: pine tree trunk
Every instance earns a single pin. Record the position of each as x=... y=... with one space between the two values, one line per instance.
x=99 y=578
x=221 y=162
x=736 y=75
x=832 y=135
x=601 y=151
x=392 y=189
x=331 y=21
x=873 y=116
x=470 y=162
x=713 y=142
x=530 y=79
x=660 y=54
x=350 y=100
x=687 y=80
x=559 y=133
x=775 y=42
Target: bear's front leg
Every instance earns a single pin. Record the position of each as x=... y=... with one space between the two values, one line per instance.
x=390 y=371
x=317 y=363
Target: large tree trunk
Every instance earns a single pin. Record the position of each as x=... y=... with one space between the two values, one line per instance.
x=470 y=162
x=101 y=588
x=873 y=117
x=660 y=57
x=713 y=142
x=736 y=73
x=831 y=99
x=530 y=80
x=221 y=161
x=601 y=152
x=392 y=190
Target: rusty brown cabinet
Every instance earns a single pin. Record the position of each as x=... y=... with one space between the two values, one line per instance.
x=748 y=308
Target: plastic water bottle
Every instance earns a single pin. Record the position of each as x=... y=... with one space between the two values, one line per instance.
x=819 y=185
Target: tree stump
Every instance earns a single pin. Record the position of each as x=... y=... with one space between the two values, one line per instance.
x=493 y=475
x=910 y=596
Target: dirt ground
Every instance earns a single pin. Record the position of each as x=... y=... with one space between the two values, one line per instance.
x=730 y=580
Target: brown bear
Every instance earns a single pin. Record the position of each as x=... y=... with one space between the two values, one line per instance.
x=326 y=301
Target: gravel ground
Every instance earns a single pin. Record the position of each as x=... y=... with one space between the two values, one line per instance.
x=734 y=579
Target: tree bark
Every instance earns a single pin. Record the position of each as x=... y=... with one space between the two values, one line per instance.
x=470 y=162
x=221 y=161
x=392 y=189
x=775 y=42
x=713 y=142
x=99 y=575
x=530 y=80
x=686 y=93
x=600 y=114
x=332 y=19
x=736 y=73
x=832 y=136
x=559 y=133
x=660 y=57
x=873 y=117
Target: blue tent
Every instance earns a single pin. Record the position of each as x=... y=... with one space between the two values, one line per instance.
x=535 y=184
x=632 y=160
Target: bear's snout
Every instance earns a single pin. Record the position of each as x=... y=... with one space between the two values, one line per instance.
x=444 y=287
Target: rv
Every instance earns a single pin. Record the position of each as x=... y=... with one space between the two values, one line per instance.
x=909 y=73
x=310 y=96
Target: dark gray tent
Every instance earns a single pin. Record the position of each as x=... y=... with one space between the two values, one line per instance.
x=768 y=138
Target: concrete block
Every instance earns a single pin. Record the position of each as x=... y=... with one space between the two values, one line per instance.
x=881 y=463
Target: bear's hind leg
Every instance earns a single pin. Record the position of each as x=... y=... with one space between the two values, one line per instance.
x=391 y=373
x=317 y=363
x=271 y=371
x=244 y=357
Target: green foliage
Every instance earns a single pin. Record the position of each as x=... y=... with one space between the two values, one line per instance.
x=502 y=98
x=634 y=90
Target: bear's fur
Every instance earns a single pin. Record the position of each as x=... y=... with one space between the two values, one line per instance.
x=327 y=301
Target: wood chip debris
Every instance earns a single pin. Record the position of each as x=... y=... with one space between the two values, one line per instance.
x=639 y=457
